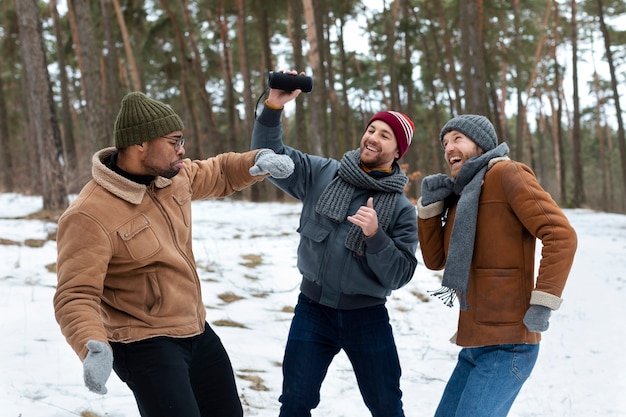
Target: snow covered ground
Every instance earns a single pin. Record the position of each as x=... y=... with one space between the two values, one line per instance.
x=246 y=260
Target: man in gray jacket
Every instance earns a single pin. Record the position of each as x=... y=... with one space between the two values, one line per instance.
x=358 y=237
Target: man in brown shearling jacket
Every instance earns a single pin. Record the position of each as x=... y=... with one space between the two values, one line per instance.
x=480 y=225
x=128 y=295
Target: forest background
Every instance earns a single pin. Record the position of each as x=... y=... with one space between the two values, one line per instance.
x=549 y=74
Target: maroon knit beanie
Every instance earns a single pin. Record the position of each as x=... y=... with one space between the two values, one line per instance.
x=401 y=125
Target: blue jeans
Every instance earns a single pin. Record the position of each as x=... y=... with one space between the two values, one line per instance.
x=317 y=334
x=175 y=377
x=486 y=380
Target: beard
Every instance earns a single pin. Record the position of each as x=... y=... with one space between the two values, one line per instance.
x=169 y=172
x=376 y=162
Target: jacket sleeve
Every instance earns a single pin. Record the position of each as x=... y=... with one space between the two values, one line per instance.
x=83 y=253
x=221 y=175
x=392 y=258
x=544 y=219
x=268 y=134
x=267 y=131
x=430 y=232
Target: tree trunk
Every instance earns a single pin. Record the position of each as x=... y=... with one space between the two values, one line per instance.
x=579 y=192
x=206 y=102
x=248 y=103
x=531 y=84
x=604 y=161
x=448 y=73
x=317 y=110
x=130 y=56
x=557 y=113
x=5 y=148
x=41 y=107
x=296 y=36
x=261 y=190
x=226 y=63
x=91 y=80
x=618 y=109
x=391 y=20
x=345 y=141
x=67 y=133
x=194 y=148
x=518 y=151
x=473 y=59
x=267 y=61
x=111 y=91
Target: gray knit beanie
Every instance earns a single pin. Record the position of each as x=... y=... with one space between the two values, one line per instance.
x=477 y=128
x=141 y=119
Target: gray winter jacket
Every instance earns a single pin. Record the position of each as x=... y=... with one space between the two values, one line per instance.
x=333 y=275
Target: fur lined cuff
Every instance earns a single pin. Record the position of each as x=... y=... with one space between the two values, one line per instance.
x=545 y=299
x=431 y=210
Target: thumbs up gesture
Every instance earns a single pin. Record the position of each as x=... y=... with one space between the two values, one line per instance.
x=366 y=218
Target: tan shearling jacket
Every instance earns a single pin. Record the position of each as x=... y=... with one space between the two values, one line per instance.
x=125 y=266
x=513 y=212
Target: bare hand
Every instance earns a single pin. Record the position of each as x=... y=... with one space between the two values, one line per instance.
x=366 y=218
x=278 y=98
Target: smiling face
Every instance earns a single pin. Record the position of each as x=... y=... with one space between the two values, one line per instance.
x=458 y=148
x=378 y=146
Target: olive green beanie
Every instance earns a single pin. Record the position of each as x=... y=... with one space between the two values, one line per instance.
x=141 y=119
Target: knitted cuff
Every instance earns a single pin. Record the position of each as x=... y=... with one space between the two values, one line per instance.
x=377 y=242
x=545 y=299
x=270 y=117
x=431 y=210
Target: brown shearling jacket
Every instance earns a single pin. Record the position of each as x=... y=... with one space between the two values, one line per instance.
x=514 y=211
x=125 y=266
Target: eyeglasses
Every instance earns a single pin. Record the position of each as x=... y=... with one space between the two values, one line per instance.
x=180 y=141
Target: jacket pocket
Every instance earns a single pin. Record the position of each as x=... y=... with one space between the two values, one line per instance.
x=498 y=296
x=139 y=238
x=312 y=249
x=183 y=201
x=314 y=231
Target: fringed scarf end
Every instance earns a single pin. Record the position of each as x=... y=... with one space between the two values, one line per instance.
x=445 y=294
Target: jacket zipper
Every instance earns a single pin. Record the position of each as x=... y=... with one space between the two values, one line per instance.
x=152 y=194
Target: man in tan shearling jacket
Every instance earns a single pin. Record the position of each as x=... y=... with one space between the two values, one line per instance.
x=128 y=295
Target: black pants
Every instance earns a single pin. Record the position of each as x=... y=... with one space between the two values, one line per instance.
x=170 y=377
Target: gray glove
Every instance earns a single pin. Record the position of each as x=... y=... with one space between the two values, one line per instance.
x=267 y=162
x=536 y=318
x=436 y=188
x=97 y=366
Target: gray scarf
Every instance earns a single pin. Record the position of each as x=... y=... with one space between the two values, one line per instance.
x=335 y=199
x=468 y=185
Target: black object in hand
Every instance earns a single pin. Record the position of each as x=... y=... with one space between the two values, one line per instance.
x=289 y=82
